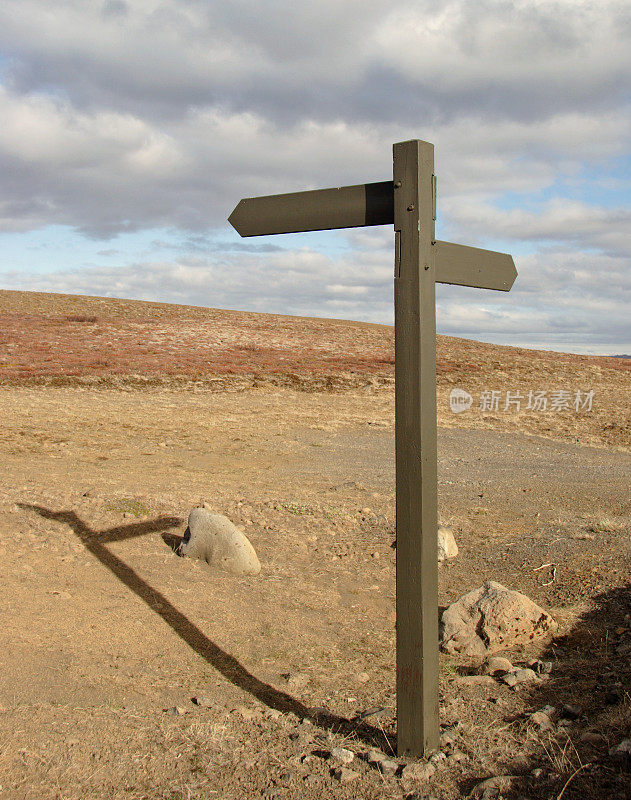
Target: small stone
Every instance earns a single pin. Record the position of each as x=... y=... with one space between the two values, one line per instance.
x=518 y=676
x=537 y=773
x=438 y=758
x=388 y=767
x=457 y=757
x=447 y=547
x=384 y=764
x=541 y=721
x=419 y=772
x=525 y=675
x=344 y=775
x=203 y=701
x=496 y=665
x=176 y=711
x=569 y=711
x=342 y=755
x=374 y=756
x=492 y=787
x=362 y=677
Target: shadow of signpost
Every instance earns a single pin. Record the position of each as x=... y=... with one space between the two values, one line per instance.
x=227 y=665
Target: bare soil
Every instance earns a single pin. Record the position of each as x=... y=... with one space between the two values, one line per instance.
x=105 y=631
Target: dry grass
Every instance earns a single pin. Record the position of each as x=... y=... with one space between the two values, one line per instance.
x=57 y=340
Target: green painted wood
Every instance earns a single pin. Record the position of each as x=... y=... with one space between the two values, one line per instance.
x=470 y=266
x=410 y=202
x=416 y=456
x=321 y=209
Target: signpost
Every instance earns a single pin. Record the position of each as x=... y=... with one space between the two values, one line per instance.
x=408 y=201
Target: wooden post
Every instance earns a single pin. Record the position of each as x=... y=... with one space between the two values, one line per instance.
x=410 y=202
x=416 y=456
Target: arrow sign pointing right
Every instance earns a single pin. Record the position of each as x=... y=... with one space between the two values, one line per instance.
x=469 y=266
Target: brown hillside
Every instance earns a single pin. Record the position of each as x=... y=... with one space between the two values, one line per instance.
x=55 y=339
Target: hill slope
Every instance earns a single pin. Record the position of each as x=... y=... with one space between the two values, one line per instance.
x=54 y=339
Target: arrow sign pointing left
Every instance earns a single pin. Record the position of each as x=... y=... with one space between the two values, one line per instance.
x=319 y=210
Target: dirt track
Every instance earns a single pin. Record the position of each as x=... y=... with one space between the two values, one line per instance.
x=104 y=627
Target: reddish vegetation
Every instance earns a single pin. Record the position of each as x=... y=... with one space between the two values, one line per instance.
x=49 y=337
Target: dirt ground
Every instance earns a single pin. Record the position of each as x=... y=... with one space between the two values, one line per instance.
x=107 y=635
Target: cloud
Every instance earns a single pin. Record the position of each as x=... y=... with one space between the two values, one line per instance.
x=130 y=116
x=557 y=220
x=561 y=300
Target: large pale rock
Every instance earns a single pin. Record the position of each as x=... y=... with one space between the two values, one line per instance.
x=215 y=539
x=492 y=618
x=447 y=547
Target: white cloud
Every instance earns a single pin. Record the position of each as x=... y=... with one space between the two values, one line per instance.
x=122 y=116
x=560 y=300
x=559 y=220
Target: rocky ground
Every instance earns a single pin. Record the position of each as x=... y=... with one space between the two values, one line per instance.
x=128 y=672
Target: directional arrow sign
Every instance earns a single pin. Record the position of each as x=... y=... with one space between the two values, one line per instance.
x=320 y=210
x=409 y=202
x=359 y=206
x=470 y=266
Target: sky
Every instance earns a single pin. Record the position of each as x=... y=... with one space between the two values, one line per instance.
x=131 y=128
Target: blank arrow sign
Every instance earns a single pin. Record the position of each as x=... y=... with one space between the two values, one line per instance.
x=319 y=210
x=470 y=266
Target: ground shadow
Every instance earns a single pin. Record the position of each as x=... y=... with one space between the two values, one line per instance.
x=173 y=542
x=227 y=665
x=591 y=672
